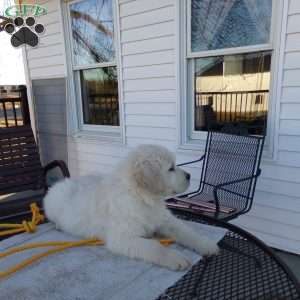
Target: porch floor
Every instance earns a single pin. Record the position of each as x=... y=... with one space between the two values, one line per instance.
x=292 y=260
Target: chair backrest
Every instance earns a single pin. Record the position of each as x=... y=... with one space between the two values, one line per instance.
x=20 y=165
x=231 y=157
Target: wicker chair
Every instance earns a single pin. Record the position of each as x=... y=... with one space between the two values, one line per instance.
x=21 y=170
x=231 y=166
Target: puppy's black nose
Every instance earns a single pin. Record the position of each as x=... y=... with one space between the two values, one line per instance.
x=187 y=176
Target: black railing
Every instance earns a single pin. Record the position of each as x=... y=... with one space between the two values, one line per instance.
x=13 y=106
x=215 y=109
x=103 y=109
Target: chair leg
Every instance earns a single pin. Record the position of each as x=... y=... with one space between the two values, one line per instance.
x=228 y=247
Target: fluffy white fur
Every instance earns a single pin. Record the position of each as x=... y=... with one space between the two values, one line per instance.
x=126 y=209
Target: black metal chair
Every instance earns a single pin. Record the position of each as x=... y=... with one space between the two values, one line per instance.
x=231 y=166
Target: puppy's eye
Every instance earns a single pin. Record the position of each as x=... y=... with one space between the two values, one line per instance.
x=172 y=169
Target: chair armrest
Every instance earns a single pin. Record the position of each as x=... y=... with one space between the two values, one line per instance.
x=219 y=186
x=191 y=162
x=57 y=164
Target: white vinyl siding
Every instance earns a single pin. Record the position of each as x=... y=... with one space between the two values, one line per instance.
x=47 y=60
x=148 y=55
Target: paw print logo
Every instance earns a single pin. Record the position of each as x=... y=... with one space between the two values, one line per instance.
x=24 y=32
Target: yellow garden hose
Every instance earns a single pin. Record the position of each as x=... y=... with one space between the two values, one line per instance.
x=30 y=227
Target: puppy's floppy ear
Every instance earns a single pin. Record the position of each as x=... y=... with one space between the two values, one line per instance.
x=147 y=175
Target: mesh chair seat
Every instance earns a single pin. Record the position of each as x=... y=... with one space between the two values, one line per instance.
x=208 y=198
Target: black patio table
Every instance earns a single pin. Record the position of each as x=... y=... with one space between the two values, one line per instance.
x=246 y=268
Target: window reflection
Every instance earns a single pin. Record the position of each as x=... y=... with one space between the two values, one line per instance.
x=99 y=88
x=92 y=31
x=219 y=24
x=232 y=89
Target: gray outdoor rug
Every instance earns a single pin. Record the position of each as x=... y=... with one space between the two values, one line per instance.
x=87 y=272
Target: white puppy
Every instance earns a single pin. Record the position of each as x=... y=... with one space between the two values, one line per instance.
x=126 y=209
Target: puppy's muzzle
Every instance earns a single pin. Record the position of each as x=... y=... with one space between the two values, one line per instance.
x=187 y=176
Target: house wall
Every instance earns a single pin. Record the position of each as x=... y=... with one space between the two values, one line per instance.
x=50 y=111
x=46 y=69
x=149 y=90
x=148 y=66
x=48 y=59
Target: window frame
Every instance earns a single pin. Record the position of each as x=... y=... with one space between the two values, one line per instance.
x=77 y=125
x=188 y=137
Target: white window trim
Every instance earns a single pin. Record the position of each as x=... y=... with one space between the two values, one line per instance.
x=76 y=126
x=192 y=140
x=93 y=66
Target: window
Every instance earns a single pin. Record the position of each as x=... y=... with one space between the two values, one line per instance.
x=228 y=58
x=94 y=62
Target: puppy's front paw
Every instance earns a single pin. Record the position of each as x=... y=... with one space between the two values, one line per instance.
x=175 y=261
x=209 y=247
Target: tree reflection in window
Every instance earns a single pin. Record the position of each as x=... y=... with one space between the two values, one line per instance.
x=218 y=24
x=92 y=31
